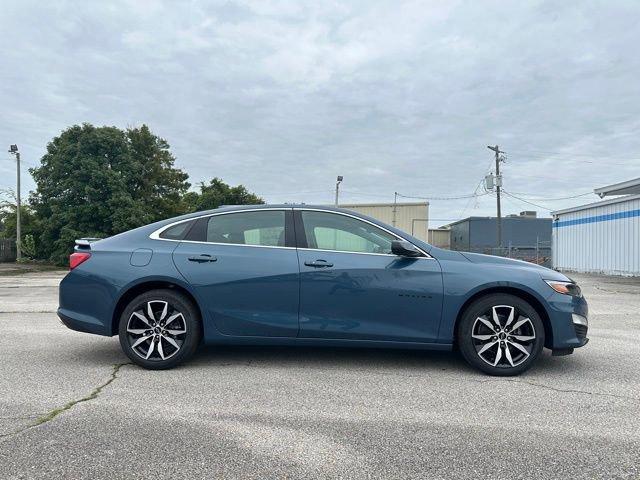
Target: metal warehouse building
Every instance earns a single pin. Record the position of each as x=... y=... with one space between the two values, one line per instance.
x=412 y=217
x=477 y=233
x=601 y=237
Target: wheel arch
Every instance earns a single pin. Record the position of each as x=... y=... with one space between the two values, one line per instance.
x=139 y=288
x=518 y=292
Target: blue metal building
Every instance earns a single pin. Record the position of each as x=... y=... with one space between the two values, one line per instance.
x=480 y=233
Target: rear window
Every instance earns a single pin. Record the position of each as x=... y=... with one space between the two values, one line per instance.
x=177 y=232
x=263 y=228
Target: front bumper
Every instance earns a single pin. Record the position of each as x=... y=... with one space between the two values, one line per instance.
x=569 y=323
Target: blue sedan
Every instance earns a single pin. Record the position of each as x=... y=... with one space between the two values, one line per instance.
x=303 y=275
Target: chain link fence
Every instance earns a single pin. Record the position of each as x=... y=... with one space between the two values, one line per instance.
x=540 y=253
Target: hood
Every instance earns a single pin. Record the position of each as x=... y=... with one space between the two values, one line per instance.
x=545 y=272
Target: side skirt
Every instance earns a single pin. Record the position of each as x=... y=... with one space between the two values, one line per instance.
x=324 y=342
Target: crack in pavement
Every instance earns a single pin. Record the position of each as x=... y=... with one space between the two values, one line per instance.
x=490 y=380
x=47 y=417
x=560 y=390
x=619 y=292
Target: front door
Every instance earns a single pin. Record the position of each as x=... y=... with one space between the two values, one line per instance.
x=352 y=287
x=245 y=274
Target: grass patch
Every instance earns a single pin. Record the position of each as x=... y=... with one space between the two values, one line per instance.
x=19 y=268
x=47 y=417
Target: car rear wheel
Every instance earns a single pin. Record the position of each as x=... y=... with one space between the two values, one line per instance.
x=501 y=335
x=160 y=329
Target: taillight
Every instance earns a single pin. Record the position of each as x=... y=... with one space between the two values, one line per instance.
x=77 y=258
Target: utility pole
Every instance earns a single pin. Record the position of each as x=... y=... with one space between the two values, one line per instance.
x=13 y=149
x=338 y=181
x=497 y=151
x=395 y=208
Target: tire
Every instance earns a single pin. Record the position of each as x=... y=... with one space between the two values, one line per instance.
x=160 y=329
x=500 y=350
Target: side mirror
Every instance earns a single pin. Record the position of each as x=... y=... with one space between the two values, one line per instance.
x=404 y=249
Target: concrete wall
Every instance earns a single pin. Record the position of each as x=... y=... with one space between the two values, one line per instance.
x=410 y=217
x=603 y=237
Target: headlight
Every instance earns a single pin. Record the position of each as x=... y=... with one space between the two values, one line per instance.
x=566 y=288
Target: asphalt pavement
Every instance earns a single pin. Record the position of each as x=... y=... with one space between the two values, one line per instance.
x=72 y=406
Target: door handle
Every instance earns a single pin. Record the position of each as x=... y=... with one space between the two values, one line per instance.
x=204 y=258
x=318 y=264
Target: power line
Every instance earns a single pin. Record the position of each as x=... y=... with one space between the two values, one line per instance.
x=415 y=197
x=525 y=201
x=569 y=154
x=459 y=197
x=464 y=210
x=553 y=199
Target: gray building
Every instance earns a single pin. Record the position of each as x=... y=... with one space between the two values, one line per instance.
x=518 y=231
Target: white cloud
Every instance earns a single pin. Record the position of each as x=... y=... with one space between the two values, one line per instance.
x=283 y=96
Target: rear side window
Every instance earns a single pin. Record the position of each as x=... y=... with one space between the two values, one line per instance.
x=264 y=228
x=177 y=232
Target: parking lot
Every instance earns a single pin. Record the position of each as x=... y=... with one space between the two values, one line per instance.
x=71 y=405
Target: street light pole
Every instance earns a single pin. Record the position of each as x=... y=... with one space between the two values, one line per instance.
x=338 y=181
x=13 y=149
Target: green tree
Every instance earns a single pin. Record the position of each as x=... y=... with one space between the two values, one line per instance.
x=28 y=246
x=99 y=181
x=28 y=220
x=217 y=193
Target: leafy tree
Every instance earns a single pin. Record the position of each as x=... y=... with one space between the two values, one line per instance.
x=217 y=193
x=28 y=220
x=28 y=246
x=99 y=181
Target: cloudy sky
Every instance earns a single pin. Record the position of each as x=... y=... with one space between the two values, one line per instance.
x=395 y=96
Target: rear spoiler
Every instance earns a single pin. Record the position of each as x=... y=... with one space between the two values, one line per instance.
x=85 y=243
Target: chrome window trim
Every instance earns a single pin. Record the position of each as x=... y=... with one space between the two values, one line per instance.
x=155 y=235
x=353 y=253
x=426 y=255
x=230 y=244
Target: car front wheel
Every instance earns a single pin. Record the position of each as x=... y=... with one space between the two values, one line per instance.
x=501 y=335
x=160 y=329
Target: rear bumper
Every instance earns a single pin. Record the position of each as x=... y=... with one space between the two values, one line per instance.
x=82 y=323
x=85 y=303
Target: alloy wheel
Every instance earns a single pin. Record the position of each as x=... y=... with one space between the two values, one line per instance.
x=503 y=337
x=156 y=330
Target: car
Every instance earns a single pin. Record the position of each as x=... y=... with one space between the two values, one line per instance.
x=313 y=276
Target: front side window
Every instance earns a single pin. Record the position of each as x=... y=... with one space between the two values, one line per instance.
x=332 y=231
x=265 y=228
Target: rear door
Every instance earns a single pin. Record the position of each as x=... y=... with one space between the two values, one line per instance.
x=352 y=287
x=244 y=267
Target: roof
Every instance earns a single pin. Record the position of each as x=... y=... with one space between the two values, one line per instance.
x=504 y=218
x=611 y=201
x=630 y=187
